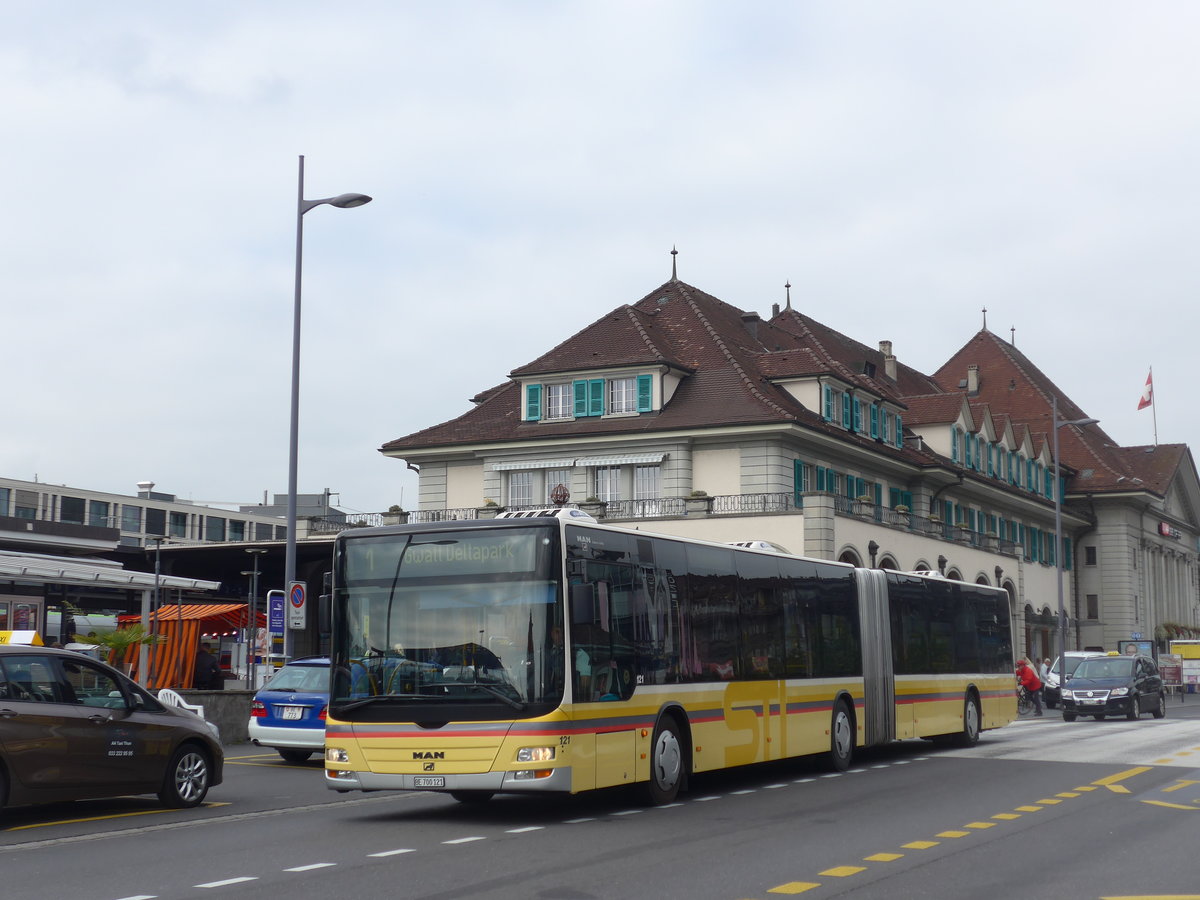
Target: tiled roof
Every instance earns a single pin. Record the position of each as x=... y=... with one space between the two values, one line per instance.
x=730 y=361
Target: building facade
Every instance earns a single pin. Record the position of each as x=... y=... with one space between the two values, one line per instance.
x=685 y=415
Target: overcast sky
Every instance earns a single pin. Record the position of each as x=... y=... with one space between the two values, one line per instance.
x=904 y=165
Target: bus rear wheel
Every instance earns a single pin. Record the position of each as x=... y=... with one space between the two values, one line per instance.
x=666 y=762
x=841 y=737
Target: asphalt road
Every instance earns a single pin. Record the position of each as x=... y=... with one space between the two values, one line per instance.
x=1040 y=809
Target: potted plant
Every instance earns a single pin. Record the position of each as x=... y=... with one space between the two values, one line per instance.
x=698 y=502
x=118 y=643
x=395 y=515
x=594 y=507
x=489 y=510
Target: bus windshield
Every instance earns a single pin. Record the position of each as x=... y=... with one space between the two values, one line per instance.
x=465 y=617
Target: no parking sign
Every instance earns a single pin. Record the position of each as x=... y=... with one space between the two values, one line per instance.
x=297 y=604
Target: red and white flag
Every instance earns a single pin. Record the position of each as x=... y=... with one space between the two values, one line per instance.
x=1147 y=392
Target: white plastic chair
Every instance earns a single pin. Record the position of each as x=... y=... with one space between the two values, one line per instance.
x=171 y=698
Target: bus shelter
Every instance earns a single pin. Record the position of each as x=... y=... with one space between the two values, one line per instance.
x=171 y=659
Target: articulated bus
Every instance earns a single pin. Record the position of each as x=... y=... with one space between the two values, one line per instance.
x=556 y=654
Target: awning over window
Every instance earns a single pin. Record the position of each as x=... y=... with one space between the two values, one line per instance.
x=623 y=459
x=534 y=464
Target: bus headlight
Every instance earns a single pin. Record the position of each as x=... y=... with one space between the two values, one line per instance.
x=535 y=754
x=336 y=755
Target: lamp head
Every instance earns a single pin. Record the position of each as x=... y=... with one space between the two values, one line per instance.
x=349 y=201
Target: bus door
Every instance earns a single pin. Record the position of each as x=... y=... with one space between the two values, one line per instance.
x=880 y=715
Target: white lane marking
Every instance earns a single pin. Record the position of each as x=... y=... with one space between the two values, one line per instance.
x=627 y=812
x=705 y=799
x=140 y=897
x=832 y=775
x=310 y=867
x=392 y=852
x=771 y=787
x=228 y=881
x=525 y=829
x=578 y=821
x=669 y=806
x=465 y=840
x=746 y=791
x=803 y=780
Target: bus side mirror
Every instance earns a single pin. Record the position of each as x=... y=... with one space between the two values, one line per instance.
x=583 y=604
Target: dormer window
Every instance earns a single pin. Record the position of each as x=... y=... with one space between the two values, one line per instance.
x=580 y=398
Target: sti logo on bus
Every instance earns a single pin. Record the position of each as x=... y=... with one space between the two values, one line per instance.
x=428 y=754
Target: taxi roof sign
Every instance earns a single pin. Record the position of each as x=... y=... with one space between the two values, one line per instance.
x=21 y=637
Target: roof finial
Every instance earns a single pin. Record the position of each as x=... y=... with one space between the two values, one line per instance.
x=985 y=318
x=674 y=252
x=788 y=287
x=1013 y=331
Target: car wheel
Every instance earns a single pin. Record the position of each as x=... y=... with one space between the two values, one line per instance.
x=1160 y=710
x=1100 y=717
x=296 y=756
x=472 y=796
x=666 y=762
x=841 y=737
x=1069 y=717
x=186 y=780
x=1135 y=708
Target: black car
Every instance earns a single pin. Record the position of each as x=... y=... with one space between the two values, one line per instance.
x=72 y=728
x=1114 y=685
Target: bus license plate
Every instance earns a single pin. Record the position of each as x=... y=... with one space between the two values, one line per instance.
x=291 y=712
x=429 y=781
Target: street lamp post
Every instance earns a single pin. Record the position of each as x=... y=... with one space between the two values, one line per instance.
x=1058 y=540
x=342 y=201
x=252 y=618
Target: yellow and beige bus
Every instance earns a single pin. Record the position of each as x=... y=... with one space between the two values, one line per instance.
x=553 y=653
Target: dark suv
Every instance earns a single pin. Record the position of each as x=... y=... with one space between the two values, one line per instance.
x=72 y=728
x=1114 y=685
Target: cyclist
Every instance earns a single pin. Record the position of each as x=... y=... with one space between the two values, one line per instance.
x=1029 y=680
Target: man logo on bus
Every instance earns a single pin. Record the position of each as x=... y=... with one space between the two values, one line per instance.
x=428 y=754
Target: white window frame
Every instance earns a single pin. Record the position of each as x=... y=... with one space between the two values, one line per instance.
x=622 y=395
x=520 y=488
x=560 y=401
x=607 y=480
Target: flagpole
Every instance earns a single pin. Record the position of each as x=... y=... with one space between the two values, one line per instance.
x=1154 y=408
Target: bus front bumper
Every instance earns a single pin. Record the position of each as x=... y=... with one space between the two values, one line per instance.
x=559 y=780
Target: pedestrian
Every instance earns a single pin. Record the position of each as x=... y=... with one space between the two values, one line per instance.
x=207 y=671
x=1032 y=684
x=1045 y=670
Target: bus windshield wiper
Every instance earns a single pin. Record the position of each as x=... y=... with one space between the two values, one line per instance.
x=368 y=701
x=497 y=693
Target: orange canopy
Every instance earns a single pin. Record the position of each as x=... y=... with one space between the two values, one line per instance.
x=172 y=662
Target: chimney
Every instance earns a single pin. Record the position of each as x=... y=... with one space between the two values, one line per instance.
x=889 y=361
x=972 y=379
x=751 y=320
x=144 y=489
x=774 y=310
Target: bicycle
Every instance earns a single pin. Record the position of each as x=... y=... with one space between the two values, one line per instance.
x=1024 y=701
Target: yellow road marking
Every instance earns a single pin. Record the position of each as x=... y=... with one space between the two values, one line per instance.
x=1120 y=776
x=1067 y=794
x=793 y=887
x=1086 y=787
x=1049 y=801
x=1178 y=785
x=952 y=834
x=1029 y=809
x=1007 y=816
x=124 y=815
x=1172 y=805
x=843 y=871
x=981 y=825
x=920 y=845
x=884 y=857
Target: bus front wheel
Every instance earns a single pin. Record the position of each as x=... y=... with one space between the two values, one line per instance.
x=472 y=796
x=666 y=762
x=841 y=737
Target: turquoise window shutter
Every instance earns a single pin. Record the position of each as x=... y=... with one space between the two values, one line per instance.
x=1066 y=551
x=874 y=420
x=596 y=397
x=645 y=392
x=533 y=402
x=798 y=484
x=899 y=431
x=827 y=413
x=847 y=411
x=820 y=478
x=581 y=398
x=954 y=445
x=857 y=422
x=877 y=490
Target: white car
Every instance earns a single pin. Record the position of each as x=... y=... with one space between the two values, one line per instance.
x=1052 y=689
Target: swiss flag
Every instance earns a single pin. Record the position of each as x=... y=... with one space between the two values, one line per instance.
x=1147 y=392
